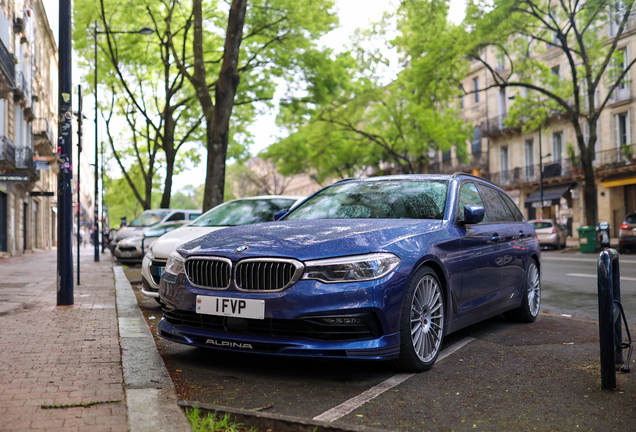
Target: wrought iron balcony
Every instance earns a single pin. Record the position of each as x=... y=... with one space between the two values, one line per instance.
x=494 y=126
x=7 y=151
x=623 y=159
x=475 y=160
x=24 y=162
x=7 y=67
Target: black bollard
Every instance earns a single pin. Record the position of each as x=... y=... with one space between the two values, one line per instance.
x=608 y=285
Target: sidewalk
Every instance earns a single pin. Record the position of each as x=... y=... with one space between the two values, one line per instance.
x=90 y=353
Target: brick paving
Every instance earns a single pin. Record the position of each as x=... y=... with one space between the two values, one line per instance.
x=53 y=355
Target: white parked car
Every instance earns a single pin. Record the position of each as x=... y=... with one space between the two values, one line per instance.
x=242 y=211
x=132 y=249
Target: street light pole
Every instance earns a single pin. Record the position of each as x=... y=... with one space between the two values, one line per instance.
x=96 y=239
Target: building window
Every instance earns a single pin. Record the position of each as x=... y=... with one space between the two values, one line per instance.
x=623 y=129
x=556 y=71
x=557 y=146
x=529 y=151
x=476 y=144
x=503 y=163
x=476 y=86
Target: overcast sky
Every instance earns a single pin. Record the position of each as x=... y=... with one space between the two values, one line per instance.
x=353 y=14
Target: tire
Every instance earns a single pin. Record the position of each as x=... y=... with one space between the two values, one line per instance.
x=157 y=300
x=531 y=303
x=422 y=322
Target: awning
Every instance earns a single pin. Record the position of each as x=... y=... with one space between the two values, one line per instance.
x=619 y=182
x=551 y=196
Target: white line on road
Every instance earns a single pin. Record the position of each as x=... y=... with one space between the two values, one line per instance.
x=346 y=407
x=623 y=278
x=551 y=258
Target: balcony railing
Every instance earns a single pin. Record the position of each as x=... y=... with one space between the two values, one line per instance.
x=621 y=93
x=494 y=125
x=7 y=65
x=603 y=160
x=7 y=150
x=24 y=158
x=42 y=130
x=475 y=160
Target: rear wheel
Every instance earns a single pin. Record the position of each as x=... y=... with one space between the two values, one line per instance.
x=531 y=302
x=422 y=324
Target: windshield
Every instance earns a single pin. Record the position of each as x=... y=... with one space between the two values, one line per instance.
x=385 y=199
x=161 y=229
x=148 y=218
x=243 y=212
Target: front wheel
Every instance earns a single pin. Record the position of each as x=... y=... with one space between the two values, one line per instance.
x=531 y=302
x=422 y=323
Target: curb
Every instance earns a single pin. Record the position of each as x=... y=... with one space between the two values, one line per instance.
x=151 y=399
x=262 y=420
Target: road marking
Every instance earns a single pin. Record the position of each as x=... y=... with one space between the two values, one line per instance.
x=623 y=278
x=551 y=258
x=346 y=407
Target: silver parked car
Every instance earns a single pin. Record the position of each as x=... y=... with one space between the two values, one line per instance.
x=132 y=249
x=550 y=233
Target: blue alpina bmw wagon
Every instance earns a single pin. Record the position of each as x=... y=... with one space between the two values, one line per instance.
x=379 y=269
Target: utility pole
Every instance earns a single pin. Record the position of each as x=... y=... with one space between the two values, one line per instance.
x=65 y=154
x=79 y=171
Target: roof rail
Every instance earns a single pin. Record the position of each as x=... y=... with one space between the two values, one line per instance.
x=457 y=174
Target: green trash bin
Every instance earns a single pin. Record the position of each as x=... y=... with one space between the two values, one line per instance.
x=587 y=239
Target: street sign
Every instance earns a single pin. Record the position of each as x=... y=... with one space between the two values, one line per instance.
x=22 y=178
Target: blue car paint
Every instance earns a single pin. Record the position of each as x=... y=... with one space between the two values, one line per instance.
x=468 y=263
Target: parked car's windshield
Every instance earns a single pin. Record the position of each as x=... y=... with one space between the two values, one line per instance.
x=540 y=225
x=161 y=229
x=386 y=199
x=630 y=219
x=243 y=212
x=149 y=218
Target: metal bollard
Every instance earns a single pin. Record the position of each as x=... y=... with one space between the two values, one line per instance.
x=610 y=312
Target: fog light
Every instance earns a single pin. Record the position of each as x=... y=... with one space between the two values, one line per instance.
x=342 y=320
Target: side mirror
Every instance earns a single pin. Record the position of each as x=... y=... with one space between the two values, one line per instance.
x=279 y=214
x=473 y=214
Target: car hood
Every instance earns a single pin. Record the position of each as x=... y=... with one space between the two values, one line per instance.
x=168 y=242
x=308 y=239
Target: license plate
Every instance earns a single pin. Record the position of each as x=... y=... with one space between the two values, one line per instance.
x=232 y=307
x=126 y=254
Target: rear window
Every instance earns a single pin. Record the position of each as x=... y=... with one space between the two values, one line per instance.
x=540 y=225
x=631 y=219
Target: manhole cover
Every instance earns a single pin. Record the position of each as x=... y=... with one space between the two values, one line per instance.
x=19 y=274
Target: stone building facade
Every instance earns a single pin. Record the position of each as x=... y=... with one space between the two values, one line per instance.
x=28 y=128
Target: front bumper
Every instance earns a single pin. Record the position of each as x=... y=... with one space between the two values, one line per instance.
x=128 y=254
x=299 y=321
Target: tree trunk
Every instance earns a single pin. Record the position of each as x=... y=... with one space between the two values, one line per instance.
x=171 y=155
x=217 y=128
x=589 y=183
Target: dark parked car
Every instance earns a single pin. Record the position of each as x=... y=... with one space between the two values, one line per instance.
x=378 y=269
x=627 y=233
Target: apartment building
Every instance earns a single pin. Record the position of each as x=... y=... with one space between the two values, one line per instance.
x=514 y=160
x=28 y=128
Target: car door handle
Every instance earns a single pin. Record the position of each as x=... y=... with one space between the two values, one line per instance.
x=496 y=238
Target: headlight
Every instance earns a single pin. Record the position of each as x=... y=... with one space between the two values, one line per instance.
x=149 y=254
x=351 y=269
x=174 y=265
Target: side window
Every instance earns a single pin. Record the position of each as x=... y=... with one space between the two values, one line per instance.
x=176 y=217
x=193 y=216
x=468 y=195
x=495 y=207
x=516 y=213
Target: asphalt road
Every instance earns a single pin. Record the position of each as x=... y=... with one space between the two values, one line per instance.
x=569 y=284
x=504 y=376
